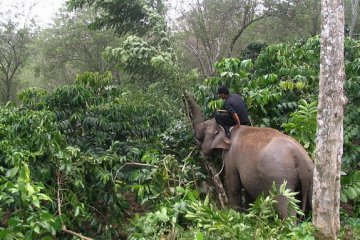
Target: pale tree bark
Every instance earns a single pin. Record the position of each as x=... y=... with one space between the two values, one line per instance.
x=354 y=14
x=329 y=146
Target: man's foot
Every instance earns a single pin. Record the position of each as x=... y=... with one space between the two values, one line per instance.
x=228 y=134
x=227 y=140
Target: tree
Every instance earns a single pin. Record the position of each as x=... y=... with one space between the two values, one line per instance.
x=329 y=146
x=206 y=31
x=249 y=16
x=70 y=47
x=14 y=52
x=124 y=16
x=213 y=28
x=146 y=53
x=18 y=27
x=304 y=19
x=354 y=14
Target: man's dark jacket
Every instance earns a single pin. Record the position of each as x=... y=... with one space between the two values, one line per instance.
x=234 y=103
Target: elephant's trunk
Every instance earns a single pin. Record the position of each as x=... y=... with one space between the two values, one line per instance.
x=195 y=113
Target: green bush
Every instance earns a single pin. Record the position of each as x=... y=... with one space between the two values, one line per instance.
x=191 y=218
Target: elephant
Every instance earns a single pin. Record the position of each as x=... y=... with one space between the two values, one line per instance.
x=254 y=159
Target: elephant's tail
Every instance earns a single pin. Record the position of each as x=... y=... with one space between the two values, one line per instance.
x=306 y=178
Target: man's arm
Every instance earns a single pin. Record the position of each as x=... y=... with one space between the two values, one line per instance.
x=237 y=119
x=231 y=110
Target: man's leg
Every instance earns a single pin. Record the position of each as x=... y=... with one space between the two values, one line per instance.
x=225 y=120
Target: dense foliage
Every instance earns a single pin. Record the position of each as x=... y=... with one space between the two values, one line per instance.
x=115 y=158
x=124 y=16
x=281 y=90
x=104 y=160
x=67 y=48
x=74 y=157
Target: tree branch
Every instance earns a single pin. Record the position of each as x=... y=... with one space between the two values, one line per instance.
x=197 y=56
x=221 y=194
x=58 y=192
x=75 y=234
x=241 y=30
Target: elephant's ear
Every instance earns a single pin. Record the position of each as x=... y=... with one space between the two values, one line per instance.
x=221 y=141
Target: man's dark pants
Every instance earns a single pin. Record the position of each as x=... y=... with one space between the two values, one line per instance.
x=226 y=121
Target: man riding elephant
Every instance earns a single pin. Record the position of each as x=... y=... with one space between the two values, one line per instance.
x=255 y=159
x=234 y=113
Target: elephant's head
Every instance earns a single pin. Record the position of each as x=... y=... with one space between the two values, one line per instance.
x=209 y=135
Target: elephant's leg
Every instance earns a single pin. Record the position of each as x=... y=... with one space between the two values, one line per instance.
x=282 y=207
x=234 y=187
x=248 y=199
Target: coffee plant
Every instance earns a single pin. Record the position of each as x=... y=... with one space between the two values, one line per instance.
x=95 y=159
x=280 y=88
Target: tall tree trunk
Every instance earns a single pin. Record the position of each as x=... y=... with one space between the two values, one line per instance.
x=329 y=147
x=315 y=18
x=354 y=14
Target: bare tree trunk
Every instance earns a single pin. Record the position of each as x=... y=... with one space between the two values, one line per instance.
x=315 y=18
x=329 y=147
x=354 y=14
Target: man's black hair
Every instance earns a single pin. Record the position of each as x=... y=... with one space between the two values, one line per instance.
x=223 y=90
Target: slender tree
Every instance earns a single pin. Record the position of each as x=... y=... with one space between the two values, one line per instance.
x=213 y=27
x=250 y=14
x=13 y=56
x=329 y=147
x=315 y=10
x=354 y=15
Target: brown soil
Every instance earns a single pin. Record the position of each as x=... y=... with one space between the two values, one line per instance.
x=134 y=206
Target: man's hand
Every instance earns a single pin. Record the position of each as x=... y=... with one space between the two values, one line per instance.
x=237 y=120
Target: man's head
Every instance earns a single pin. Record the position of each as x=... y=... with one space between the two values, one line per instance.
x=223 y=92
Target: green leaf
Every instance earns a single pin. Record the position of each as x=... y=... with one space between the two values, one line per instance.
x=351 y=193
x=12 y=172
x=199 y=236
x=36 y=202
x=77 y=209
x=30 y=189
x=43 y=196
x=47 y=237
x=5 y=234
x=36 y=229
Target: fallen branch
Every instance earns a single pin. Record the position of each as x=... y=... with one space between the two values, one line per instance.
x=75 y=234
x=214 y=173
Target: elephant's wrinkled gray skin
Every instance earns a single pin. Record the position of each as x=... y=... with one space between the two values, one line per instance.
x=255 y=158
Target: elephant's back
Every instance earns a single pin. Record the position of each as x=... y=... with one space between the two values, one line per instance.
x=255 y=137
